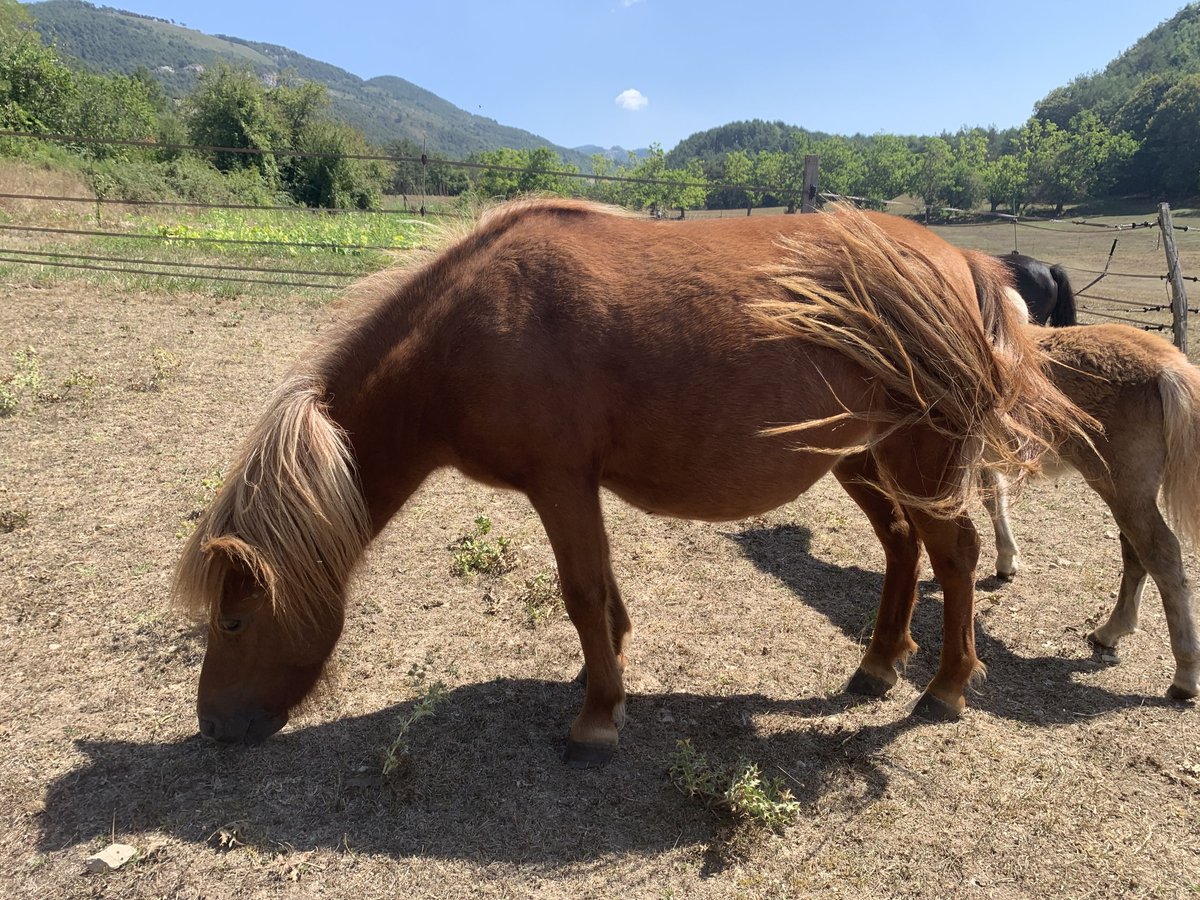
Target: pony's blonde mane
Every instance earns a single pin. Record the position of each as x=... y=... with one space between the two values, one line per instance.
x=888 y=306
x=290 y=514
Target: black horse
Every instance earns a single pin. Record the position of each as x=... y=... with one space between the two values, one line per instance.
x=1045 y=289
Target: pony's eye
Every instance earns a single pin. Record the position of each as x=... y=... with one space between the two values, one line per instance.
x=230 y=626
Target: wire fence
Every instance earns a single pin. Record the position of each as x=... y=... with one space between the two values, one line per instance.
x=1135 y=310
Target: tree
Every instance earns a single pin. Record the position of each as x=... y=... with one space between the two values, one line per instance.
x=229 y=108
x=739 y=170
x=114 y=107
x=888 y=167
x=511 y=173
x=966 y=187
x=933 y=174
x=1172 y=141
x=1073 y=164
x=662 y=188
x=1006 y=181
x=330 y=178
x=843 y=169
x=36 y=89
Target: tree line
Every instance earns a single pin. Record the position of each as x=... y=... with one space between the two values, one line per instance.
x=1148 y=144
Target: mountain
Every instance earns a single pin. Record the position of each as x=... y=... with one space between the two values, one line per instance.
x=616 y=154
x=384 y=109
x=1171 y=49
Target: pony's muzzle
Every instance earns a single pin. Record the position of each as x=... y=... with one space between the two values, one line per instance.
x=247 y=726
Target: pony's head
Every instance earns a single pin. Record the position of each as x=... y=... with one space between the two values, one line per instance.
x=268 y=564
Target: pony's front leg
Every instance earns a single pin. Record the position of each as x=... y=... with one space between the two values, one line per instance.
x=995 y=500
x=891 y=642
x=575 y=526
x=953 y=546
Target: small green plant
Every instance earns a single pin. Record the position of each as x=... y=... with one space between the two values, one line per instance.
x=209 y=485
x=741 y=793
x=164 y=365
x=25 y=380
x=396 y=758
x=473 y=554
x=542 y=598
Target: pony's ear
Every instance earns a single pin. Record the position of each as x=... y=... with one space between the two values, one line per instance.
x=242 y=558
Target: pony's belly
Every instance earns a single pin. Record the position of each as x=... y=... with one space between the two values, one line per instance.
x=721 y=493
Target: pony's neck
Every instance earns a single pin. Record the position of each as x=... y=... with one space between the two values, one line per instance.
x=377 y=387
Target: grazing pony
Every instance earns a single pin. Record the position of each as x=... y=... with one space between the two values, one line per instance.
x=1045 y=288
x=1146 y=396
x=708 y=370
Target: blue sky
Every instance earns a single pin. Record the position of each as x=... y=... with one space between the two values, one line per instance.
x=632 y=72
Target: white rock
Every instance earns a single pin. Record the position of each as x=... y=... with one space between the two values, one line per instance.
x=110 y=858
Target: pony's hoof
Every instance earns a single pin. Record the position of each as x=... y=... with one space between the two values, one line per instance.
x=1099 y=645
x=1175 y=692
x=581 y=678
x=587 y=755
x=865 y=684
x=934 y=709
x=1006 y=576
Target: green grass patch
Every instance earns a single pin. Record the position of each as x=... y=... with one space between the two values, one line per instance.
x=477 y=554
x=740 y=793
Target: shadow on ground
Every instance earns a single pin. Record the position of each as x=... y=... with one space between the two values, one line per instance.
x=483 y=780
x=1037 y=691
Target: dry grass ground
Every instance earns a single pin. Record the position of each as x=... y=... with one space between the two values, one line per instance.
x=1069 y=775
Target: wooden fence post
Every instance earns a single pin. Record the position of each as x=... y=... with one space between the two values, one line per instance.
x=1179 y=305
x=809 y=203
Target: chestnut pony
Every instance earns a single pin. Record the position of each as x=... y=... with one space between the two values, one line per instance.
x=709 y=370
x=1146 y=396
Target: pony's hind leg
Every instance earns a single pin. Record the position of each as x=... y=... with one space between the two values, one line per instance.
x=1123 y=619
x=995 y=500
x=575 y=526
x=953 y=547
x=891 y=642
x=1158 y=552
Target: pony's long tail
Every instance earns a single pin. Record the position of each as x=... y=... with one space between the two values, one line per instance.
x=1179 y=386
x=968 y=372
x=1064 y=307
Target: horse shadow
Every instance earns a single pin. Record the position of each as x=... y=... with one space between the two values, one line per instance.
x=1043 y=690
x=480 y=779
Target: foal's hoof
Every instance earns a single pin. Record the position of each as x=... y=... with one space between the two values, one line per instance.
x=865 y=684
x=581 y=678
x=1175 y=692
x=1006 y=576
x=587 y=755
x=934 y=709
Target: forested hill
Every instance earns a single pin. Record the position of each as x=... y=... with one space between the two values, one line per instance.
x=1172 y=49
x=750 y=136
x=384 y=109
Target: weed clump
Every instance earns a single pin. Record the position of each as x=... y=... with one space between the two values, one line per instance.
x=474 y=554
x=26 y=380
x=740 y=793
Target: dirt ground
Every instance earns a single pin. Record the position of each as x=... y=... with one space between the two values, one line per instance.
x=1070 y=774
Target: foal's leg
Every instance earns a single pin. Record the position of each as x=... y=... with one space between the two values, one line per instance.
x=575 y=527
x=1157 y=551
x=1123 y=619
x=891 y=641
x=995 y=500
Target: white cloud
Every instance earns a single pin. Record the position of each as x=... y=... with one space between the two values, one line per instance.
x=632 y=100
x=629 y=3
